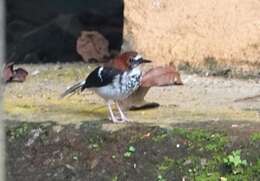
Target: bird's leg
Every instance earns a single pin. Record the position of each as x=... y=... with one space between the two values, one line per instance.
x=111 y=113
x=123 y=117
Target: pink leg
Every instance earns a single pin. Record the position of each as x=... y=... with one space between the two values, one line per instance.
x=111 y=114
x=123 y=117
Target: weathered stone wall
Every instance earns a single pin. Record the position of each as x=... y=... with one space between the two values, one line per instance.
x=47 y=30
x=192 y=30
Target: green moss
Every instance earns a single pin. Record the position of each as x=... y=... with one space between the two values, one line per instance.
x=115 y=178
x=160 y=135
x=255 y=137
x=67 y=74
x=208 y=176
x=166 y=165
x=95 y=142
x=165 y=168
x=201 y=159
x=54 y=109
x=19 y=131
x=202 y=139
x=235 y=162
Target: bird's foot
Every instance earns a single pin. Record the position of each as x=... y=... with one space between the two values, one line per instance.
x=125 y=119
x=118 y=120
x=116 y=117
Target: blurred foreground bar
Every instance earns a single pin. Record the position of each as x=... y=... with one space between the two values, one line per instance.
x=2 y=56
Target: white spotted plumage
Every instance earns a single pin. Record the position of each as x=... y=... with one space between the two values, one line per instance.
x=122 y=86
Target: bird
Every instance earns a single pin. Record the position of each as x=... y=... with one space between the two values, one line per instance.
x=113 y=83
x=155 y=76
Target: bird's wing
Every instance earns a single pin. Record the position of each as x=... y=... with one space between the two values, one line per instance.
x=101 y=76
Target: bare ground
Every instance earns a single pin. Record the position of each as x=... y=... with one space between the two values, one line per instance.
x=200 y=99
x=188 y=137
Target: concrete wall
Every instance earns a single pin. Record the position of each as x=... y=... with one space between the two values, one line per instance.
x=192 y=30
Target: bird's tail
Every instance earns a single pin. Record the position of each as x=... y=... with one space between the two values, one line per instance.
x=72 y=89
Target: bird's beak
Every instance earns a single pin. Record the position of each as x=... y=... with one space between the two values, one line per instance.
x=145 y=61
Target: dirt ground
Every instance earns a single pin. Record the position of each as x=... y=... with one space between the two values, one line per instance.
x=200 y=99
x=196 y=128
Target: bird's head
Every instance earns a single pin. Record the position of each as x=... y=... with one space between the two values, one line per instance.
x=136 y=61
x=128 y=60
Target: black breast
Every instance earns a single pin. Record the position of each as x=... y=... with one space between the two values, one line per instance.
x=101 y=76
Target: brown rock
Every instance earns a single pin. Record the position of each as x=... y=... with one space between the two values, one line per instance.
x=92 y=45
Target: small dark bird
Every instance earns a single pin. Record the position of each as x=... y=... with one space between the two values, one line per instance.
x=113 y=84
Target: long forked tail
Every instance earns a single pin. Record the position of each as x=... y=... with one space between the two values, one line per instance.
x=72 y=89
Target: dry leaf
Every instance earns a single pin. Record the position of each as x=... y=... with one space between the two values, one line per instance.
x=161 y=76
x=20 y=75
x=8 y=72
x=11 y=74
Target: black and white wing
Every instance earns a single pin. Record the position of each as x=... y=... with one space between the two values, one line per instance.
x=101 y=76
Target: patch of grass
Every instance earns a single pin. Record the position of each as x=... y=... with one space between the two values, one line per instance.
x=249 y=172
x=255 y=169
x=161 y=178
x=94 y=146
x=212 y=142
x=130 y=151
x=255 y=137
x=95 y=142
x=19 y=131
x=201 y=159
x=115 y=178
x=165 y=165
x=160 y=136
x=209 y=176
x=235 y=162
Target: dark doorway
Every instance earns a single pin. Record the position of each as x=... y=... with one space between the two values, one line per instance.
x=47 y=30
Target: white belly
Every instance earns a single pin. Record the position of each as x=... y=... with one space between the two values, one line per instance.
x=121 y=88
x=112 y=93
